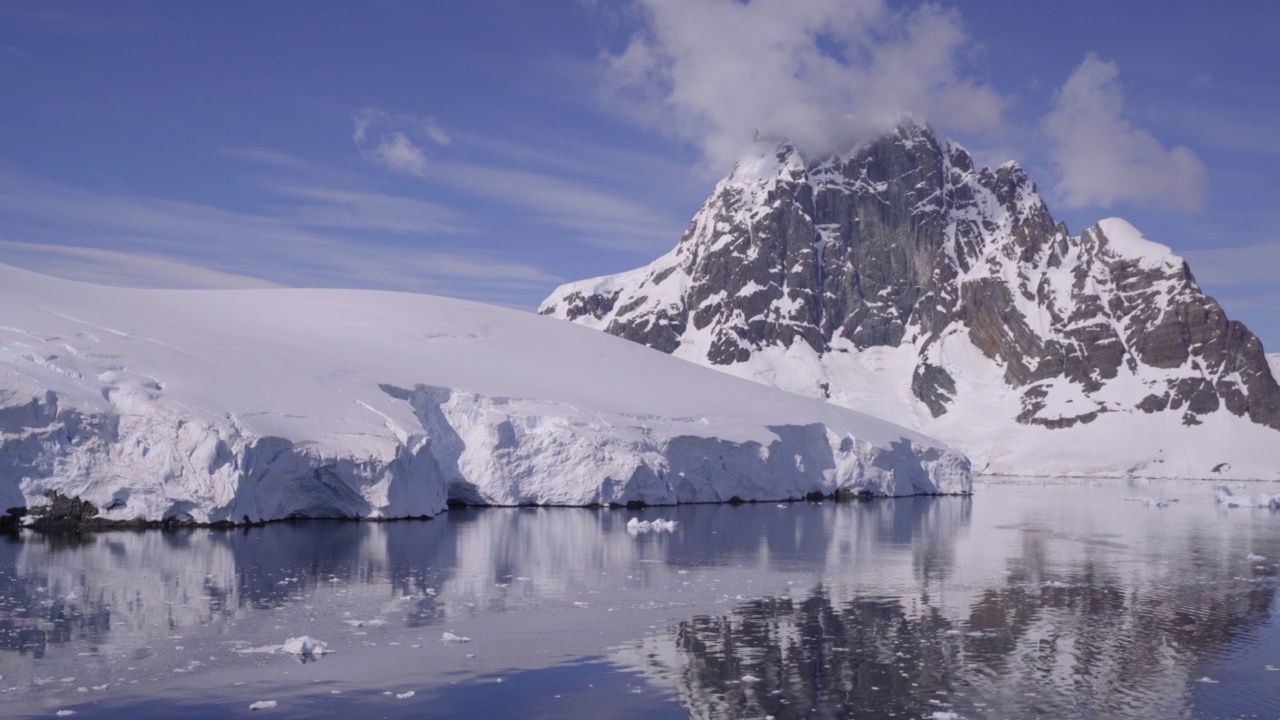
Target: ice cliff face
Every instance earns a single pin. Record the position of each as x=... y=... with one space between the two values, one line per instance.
x=901 y=280
x=250 y=405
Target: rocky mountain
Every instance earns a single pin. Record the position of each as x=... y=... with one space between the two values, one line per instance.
x=902 y=280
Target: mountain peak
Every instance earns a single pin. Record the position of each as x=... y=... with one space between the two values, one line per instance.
x=811 y=275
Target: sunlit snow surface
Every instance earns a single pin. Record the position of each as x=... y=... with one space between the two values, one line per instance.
x=1054 y=599
x=258 y=404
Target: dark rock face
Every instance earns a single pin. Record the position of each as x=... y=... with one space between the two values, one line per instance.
x=903 y=242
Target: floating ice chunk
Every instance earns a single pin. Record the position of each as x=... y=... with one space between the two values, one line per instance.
x=64 y=713
x=263 y=705
x=305 y=646
x=1224 y=496
x=750 y=679
x=405 y=695
x=450 y=638
x=944 y=715
x=1231 y=500
x=1207 y=680
x=1254 y=558
x=636 y=525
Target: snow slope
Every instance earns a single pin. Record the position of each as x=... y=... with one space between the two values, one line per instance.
x=1273 y=359
x=259 y=404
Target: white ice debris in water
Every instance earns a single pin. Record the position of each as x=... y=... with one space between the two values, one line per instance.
x=64 y=713
x=1153 y=501
x=450 y=638
x=750 y=679
x=305 y=646
x=263 y=705
x=1207 y=680
x=1229 y=499
x=944 y=715
x=636 y=526
x=1255 y=558
x=405 y=695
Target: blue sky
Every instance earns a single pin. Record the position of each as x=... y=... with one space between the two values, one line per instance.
x=492 y=149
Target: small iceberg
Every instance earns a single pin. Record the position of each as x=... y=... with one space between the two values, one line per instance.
x=305 y=646
x=636 y=526
x=263 y=705
x=450 y=639
x=1254 y=558
x=1226 y=498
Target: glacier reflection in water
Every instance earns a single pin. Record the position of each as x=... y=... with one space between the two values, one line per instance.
x=1029 y=599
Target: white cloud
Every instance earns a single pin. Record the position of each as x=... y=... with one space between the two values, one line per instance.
x=825 y=74
x=1103 y=159
x=436 y=133
x=391 y=139
x=398 y=153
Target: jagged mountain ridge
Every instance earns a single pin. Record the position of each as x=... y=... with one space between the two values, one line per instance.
x=900 y=279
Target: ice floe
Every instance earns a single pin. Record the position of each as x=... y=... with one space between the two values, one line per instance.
x=305 y=646
x=1226 y=498
x=636 y=526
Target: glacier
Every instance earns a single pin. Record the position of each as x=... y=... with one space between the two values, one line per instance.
x=258 y=404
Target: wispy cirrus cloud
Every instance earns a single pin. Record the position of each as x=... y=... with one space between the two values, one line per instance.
x=548 y=188
x=265 y=156
x=357 y=210
x=597 y=216
x=1103 y=159
x=303 y=244
x=113 y=267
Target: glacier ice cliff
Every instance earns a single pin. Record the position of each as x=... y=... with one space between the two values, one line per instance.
x=251 y=405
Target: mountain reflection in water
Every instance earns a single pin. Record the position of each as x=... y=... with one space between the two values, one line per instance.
x=1026 y=600
x=1085 y=638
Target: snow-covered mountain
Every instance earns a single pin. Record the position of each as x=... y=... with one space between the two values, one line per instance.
x=901 y=280
x=258 y=404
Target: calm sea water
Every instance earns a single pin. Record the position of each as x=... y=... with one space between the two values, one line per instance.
x=1030 y=599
